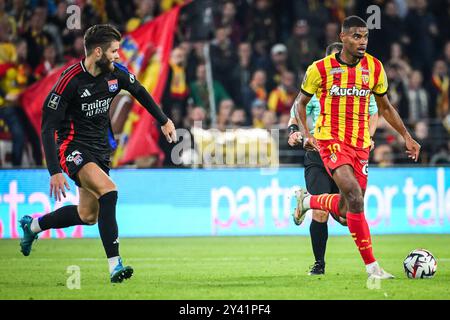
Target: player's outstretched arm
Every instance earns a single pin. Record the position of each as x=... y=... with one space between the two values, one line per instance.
x=146 y=100
x=392 y=117
x=52 y=113
x=133 y=86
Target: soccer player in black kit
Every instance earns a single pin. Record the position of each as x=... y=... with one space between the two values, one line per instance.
x=77 y=109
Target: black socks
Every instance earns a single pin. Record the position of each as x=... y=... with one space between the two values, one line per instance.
x=64 y=217
x=319 y=237
x=107 y=224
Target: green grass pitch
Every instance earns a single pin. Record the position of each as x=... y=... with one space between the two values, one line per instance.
x=220 y=268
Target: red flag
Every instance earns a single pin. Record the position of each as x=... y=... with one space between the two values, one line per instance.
x=32 y=99
x=152 y=43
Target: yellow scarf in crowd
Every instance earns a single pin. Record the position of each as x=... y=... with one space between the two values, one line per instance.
x=178 y=85
x=442 y=85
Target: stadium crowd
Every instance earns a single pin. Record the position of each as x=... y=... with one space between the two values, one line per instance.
x=259 y=52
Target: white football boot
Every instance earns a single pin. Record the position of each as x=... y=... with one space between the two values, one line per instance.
x=300 y=211
x=374 y=271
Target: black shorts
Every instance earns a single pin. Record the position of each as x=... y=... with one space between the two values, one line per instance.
x=318 y=181
x=72 y=158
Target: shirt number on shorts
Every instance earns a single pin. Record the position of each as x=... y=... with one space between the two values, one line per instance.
x=334 y=148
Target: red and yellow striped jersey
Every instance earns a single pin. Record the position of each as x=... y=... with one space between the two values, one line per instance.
x=344 y=91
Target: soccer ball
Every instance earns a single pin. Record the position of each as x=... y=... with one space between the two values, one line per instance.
x=420 y=263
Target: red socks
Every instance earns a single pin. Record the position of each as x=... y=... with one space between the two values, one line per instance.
x=326 y=202
x=356 y=222
x=360 y=232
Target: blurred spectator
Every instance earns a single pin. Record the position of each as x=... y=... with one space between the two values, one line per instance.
x=76 y=50
x=261 y=23
x=37 y=38
x=440 y=84
x=226 y=108
x=398 y=59
x=258 y=109
x=392 y=30
x=176 y=91
x=279 y=64
x=199 y=91
x=119 y=11
x=8 y=52
x=11 y=85
x=256 y=89
x=228 y=19
x=238 y=119
x=223 y=57
x=269 y=119
x=24 y=72
x=261 y=55
x=197 y=118
x=331 y=35
x=442 y=157
x=58 y=23
x=383 y=155
x=301 y=45
x=447 y=52
x=9 y=114
x=8 y=20
x=242 y=73
x=145 y=12
x=195 y=56
x=169 y=4
x=20 y=15
x=441 y=11
x=48 y=62
x=422 y=32
x=317 y=16
x=418 y=107
x=421 y=134
x=283 y=96
x=397 y=89
x=283 y=120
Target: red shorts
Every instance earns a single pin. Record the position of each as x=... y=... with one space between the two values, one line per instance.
x=335 y=153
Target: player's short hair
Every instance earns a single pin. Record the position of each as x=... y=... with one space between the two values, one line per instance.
x=100 y=35
x=353 y=21
x=334 y=46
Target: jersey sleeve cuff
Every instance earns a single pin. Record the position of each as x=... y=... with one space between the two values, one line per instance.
x=164 y=122
x=379 y=94
x=53 y=171
x=306 y=93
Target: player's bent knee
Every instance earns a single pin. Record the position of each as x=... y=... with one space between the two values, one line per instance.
x=88 y=216
x=90 y=220
x=320 y=216
x=355 y=201
x=107 y=188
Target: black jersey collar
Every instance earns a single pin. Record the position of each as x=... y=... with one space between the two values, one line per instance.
x=338 y=58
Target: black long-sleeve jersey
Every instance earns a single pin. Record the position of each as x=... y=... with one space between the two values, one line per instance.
x=77 y=108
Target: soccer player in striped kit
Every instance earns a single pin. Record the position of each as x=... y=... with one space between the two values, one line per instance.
x=317 y=179
x=77 y=109
x=343 y=83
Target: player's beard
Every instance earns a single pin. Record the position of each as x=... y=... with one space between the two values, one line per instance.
x=104 y=64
